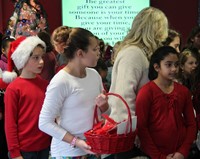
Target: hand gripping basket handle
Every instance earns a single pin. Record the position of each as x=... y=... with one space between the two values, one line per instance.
x=129 y=122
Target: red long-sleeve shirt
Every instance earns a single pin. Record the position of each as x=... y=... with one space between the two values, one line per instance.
x=23 y=102
x=166 y=122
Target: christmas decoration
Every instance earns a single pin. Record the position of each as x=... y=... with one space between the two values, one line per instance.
x=28 y=19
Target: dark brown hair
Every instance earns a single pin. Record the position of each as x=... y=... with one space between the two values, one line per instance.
x=78 y=38
x=45 y=36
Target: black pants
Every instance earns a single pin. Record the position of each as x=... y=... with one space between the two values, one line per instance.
x=3 y=143
x=43 y=154
x=110 y=157
x=135 y=152
x=194 y=152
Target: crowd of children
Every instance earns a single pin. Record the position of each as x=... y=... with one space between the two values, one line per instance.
x=51 y=83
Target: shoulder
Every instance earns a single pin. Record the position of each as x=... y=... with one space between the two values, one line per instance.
x=15 y=84
x=181 y=87
x=182 y=92
x=21 y=82
x=91 y=71
x=60 y=84
x=145 y=93
x=147 y=88
x=60 y=77
x=42 y=81
x=93 y=74
x=131 y=55
x=131 y=51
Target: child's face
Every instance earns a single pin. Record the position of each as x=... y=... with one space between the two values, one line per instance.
x=190 y=65
x=5 y=51
x=91 y=57
x=35 y=62
x=196 y=41
x=59 y=47
x=175 y=43
x=168 y=68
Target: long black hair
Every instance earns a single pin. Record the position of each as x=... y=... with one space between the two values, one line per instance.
x=158 y=56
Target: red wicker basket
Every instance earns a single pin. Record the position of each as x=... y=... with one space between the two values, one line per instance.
x=112 y=143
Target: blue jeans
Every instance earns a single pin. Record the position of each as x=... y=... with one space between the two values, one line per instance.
x=43 y=154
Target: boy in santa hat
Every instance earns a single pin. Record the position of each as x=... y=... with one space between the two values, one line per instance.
x=24 y=98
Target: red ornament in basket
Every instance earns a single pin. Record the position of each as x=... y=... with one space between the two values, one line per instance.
x=103 y=137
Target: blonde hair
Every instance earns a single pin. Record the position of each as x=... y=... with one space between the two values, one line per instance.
x=60 y=34
x=149 y=29
x=115 y=49
x=187 y=52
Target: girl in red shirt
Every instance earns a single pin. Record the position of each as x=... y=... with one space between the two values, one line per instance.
x=166 y=123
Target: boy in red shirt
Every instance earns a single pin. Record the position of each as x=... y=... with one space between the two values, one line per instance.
x=23 y=100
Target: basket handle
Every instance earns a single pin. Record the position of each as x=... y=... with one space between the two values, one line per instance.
x=129 y=122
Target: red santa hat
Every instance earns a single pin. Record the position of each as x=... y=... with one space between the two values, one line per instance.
x=18 y=55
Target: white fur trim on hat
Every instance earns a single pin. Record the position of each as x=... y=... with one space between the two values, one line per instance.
x=23 y=51
x=8 y=76
x=1 y=73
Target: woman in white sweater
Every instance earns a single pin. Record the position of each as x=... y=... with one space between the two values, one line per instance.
x=130 y=70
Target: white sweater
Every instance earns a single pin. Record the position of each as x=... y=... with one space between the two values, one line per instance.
x=129 y=74
x=71 y=101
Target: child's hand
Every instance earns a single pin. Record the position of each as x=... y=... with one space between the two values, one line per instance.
x=102 y=101
x=178 y=155
x=84 y=146
x=170 y=156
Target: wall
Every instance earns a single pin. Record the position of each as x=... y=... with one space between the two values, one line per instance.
x=182 y=15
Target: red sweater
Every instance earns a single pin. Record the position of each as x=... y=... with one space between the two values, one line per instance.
x=49 y=68
x=166 y=122
x=23 y=102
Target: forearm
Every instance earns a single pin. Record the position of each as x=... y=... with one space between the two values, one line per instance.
x=68 y=137
x=47 y=124
x=77 y=142
x=104 y=108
